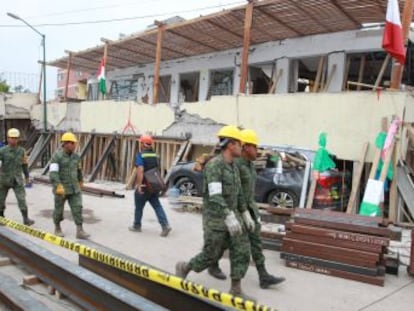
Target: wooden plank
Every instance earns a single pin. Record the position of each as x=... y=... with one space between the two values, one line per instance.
x=244 y=67
x=381 y=73
x=357 y=179
x=393 y=199
x=345 y=227
x=334 y=242
x=377 y=271
x=319 y=74
x=176 y=160
x=158 y=52
x=321 y=248
x=337 y=235
x=187 y=152
x=68 y=69
x=328 y=253
x=361 y=71
x=104 y=156
x=379 y=280
x=42 y=150
x=311 y=193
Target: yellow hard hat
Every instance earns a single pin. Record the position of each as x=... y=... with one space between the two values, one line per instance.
x=13 y=133
x=229 y=131
x=68 y=136
x=249 y=137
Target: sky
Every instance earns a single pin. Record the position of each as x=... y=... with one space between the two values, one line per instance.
x=21 y=48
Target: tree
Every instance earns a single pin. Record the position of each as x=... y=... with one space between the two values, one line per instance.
x=4 y=87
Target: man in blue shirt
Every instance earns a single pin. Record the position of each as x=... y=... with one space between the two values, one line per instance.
x=145 y=161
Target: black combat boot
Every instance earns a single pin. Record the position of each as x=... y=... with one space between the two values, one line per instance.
x=266 y=280
x=26 y=220
x=236 y=290
x=215 y=271
x=182 y=269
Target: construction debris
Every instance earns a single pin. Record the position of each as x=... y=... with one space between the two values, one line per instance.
x=338 y=244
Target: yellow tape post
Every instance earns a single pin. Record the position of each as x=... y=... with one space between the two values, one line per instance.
x=142 y=271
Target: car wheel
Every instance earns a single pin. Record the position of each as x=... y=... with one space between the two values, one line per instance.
x=187 y=187
x=283 y=198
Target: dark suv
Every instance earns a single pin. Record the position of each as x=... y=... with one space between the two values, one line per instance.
x=283 y=190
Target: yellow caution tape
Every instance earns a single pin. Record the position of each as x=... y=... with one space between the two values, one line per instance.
x=142 y=271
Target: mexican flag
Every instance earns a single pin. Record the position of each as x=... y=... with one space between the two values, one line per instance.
x=101 y=77
x=393 y=41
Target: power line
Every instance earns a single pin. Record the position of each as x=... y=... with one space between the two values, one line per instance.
x=121 y=19
x=90 y=9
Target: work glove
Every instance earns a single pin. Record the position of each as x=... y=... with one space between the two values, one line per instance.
x=233 y=225
x=81 y=184
x=60 y=190
x=248 y=220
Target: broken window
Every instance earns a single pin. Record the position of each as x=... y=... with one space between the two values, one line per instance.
x=311 y=74
x=365 y=71
x=260 y=79
x=123 y=89
x=164 y=89
x=221 y=82
x=189 y=87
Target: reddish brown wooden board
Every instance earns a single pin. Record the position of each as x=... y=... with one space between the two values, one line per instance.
x=374 y=280
x=340 y=235
x=338 y=243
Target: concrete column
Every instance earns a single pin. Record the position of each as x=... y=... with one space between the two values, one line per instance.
x=293 y=76
x=336 y=69
x=283 y=67
x=175 y=87
x=204 y=83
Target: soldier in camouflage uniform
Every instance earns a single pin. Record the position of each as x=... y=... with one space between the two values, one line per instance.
x=67 y=179
x=248 y=178
x=13 y=164
x=225 y=214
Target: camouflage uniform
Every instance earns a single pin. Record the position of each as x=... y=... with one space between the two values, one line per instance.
x=216 y=206
x=14 y=164
x=65 y=169
x=248 y=176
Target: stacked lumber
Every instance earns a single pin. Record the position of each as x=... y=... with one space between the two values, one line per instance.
x=337 y=244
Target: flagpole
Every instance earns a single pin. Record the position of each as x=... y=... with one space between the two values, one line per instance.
x=398 y=69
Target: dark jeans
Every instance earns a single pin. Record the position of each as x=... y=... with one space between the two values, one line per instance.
x=152 y=198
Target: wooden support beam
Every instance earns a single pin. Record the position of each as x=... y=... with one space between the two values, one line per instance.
x=319 y=74
x=398 y=69
x=102 y=159
x=356 y=181
x=68 y=68
x=246 y=46
x=361 y=71
x=46 y=139
x=381 y=73
x=161 y=30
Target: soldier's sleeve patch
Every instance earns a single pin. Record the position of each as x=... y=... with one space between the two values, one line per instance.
x=215 y=188
x=54 y=167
